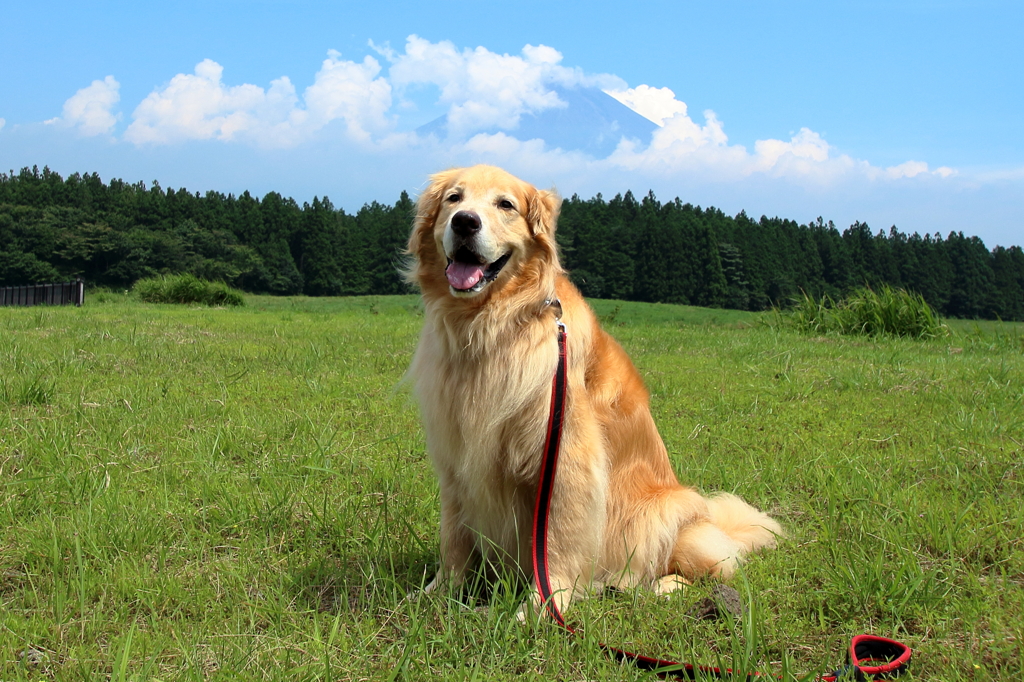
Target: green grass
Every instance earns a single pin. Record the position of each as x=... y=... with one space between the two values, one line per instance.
x=197 y=493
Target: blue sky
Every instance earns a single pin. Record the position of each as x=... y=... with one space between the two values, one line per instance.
x=891 y=112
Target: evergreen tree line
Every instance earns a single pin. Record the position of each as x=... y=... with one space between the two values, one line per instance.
x=679 y=253
x=113 y=234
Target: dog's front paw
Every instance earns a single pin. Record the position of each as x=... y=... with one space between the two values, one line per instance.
x=432 y=586
x=531 y=610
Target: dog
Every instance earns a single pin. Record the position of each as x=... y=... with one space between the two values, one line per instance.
x=483 y=254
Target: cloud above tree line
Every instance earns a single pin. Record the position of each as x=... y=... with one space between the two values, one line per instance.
x=484 y=94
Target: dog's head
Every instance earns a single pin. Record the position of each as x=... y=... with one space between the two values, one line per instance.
x=479 y=231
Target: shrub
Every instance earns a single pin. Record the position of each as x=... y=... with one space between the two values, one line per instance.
x=893 y=312
x=186 y=289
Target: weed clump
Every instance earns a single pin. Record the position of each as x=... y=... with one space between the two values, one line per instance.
x=888 y=311
x=187 y=289
x=108 y=295
x=30 y=391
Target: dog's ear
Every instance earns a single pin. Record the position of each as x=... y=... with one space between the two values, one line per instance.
x=428 y=205
x=543 y=212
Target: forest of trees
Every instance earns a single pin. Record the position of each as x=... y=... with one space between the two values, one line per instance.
x=112 y=234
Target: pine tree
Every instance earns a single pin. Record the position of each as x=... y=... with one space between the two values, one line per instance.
x=320 y=267
x=1008 y=278
x=972 y=287
x=651 y=256
x=929 y=271
x=388 y=228
x=279 y=218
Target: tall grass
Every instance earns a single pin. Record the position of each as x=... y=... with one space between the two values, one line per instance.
x=187 y=288
x=888 y=311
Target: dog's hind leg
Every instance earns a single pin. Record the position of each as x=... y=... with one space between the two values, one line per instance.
x=646 y=532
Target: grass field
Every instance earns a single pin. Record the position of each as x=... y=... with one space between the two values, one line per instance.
x=195 y=493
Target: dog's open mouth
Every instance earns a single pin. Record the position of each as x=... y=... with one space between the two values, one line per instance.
x=467 y=272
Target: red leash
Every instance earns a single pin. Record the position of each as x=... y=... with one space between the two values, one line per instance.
x=869 y=657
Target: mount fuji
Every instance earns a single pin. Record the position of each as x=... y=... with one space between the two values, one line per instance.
x=592 y=122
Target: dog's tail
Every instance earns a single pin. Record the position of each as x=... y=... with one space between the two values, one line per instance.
x=750 y=528
x=715 y=546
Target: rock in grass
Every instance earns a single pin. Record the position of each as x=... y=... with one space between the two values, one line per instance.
x=723 y=600
x=32 y=657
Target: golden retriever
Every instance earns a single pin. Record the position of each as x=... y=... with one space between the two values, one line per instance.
x=483 y=253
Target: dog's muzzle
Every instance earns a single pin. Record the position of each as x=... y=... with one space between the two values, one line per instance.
x=468 y=271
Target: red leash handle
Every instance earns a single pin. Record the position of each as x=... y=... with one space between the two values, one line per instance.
x=873 y=658
x=869 y=657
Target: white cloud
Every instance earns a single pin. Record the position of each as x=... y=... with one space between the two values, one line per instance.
x=682 y=146
x=680 y=134
x=483 y=93
x=200 y=106
x=90 y=109
x=483 y=89
x=906 y=170
x=349 y=91
x=912 y=169
x=3 y=122
x=531 y=155
x=806 y=144
x=654 y=104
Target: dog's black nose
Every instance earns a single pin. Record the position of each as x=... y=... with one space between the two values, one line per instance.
x=465 y=223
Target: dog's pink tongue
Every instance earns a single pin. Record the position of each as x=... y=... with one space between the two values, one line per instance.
x=463 y=275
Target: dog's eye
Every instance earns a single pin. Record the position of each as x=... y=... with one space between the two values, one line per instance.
x=453 y=197
x=506 y=205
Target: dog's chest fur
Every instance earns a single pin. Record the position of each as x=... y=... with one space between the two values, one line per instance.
x=486 y=418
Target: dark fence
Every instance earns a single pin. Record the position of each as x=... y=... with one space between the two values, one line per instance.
x=65 y=293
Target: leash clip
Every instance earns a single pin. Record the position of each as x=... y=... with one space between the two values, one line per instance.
x=556 y=305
